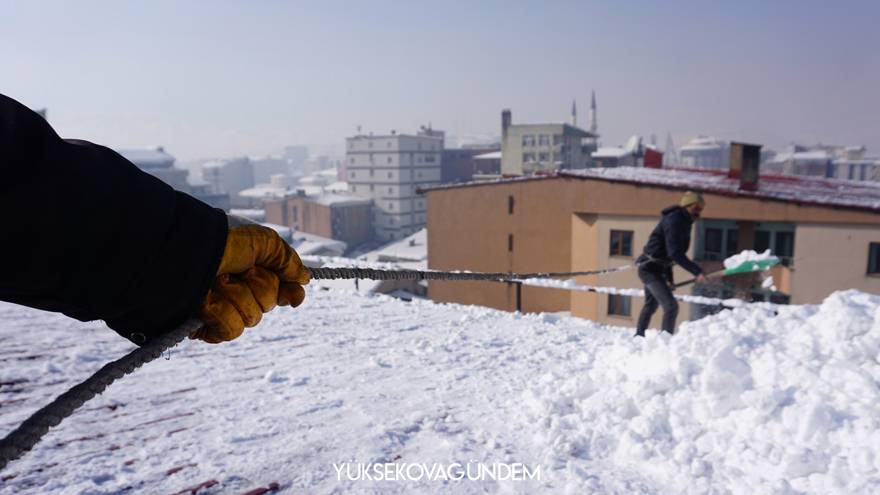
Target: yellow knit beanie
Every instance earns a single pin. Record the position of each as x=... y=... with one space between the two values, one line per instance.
x=690 y=198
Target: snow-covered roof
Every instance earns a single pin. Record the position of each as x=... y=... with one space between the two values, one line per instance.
x=148 y=157
x=311 y=244
x=337 y=187
x=265 y=191
x=249 y=213
x=814 y=155
x=744 y=401
x=492 y=155
x=610 y=152
x=412 y=248
x=704 y=143
x=331 y=199
x=863 y=195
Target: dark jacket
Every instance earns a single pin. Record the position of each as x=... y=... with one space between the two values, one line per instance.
x=88 y=234
x=668 y=244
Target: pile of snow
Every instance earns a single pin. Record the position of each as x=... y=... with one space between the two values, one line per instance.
x=748 y=255
x=753 y=400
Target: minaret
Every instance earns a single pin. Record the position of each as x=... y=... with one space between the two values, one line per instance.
x=594 y=125
x=574 y=113
x=670 y=155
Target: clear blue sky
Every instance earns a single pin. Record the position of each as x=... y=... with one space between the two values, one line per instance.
x=219 y=78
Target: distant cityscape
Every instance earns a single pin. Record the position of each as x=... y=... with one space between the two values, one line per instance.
x=407 y=197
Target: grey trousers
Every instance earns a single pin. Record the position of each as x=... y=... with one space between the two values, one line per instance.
x=657 y=292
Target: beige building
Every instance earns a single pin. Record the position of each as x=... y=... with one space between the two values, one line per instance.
x=827 y=233
x=538 y=148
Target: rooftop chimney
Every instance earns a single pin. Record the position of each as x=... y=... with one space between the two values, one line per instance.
x=506 y=120
x=745 y=162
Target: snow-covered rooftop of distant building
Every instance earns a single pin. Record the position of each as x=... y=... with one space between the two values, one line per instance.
x=155 y=157
x=864 y=195
x=337 y=187
x=249 y=213
x=264 y=191
x=492 y=155
x=413 y=248
x=705 y=143
x=610 y=152
x=332 y=199
x=813 y=155
x=310 y=244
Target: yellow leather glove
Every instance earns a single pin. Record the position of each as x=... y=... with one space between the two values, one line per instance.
x=259 y=271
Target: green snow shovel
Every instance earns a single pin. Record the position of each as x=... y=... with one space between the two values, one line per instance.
x=744 y=267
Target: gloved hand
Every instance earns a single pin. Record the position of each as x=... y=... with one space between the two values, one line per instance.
x=259 y=271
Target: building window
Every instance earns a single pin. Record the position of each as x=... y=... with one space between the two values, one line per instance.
x=619 y=305
x=784 y=245
x=390 y=190
x=370 y=144
x=713 y=244
x=352 y=175
x=528 y=157
x=874 y=258
x=371 y=172
x=429 y=159
x=557 y=139
x=621 y=243
x=528 y=140
x=390 y=206
x=510 y=242
x=389 y=159
x=351 y=160
x=389 y=175
x=510 y=205
x=543 y=140
x=354 y=188
x=543 y=157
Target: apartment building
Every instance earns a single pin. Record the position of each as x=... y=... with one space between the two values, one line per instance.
x=389 y=169
x=540 y=148
x=826 y=231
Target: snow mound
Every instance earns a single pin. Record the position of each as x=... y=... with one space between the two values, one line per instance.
x=746 y=401
x=756 y=400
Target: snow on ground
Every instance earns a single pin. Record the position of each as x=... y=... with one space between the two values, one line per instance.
x=748 y=401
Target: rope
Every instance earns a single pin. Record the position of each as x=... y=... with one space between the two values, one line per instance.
x=29 y=433
x=33 y=429
x=377 y=274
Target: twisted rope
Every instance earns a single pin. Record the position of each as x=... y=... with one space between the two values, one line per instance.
x=29 y=433
x=377 y=274
x=33 y=429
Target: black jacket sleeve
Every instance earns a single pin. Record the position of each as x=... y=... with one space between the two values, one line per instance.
x=90 y=235
x=676 y=233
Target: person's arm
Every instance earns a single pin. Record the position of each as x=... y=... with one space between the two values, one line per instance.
x=675 y=232
x=88 y=234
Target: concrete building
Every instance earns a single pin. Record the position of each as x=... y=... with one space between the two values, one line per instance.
x=461 y=164
x=540 y=148
x=229 y=176
x=389 y=169
x=344 y=218
x=827 y=233
x=833 y=161
x=705 y=152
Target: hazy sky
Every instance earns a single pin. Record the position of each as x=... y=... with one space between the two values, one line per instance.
x=220 y=78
